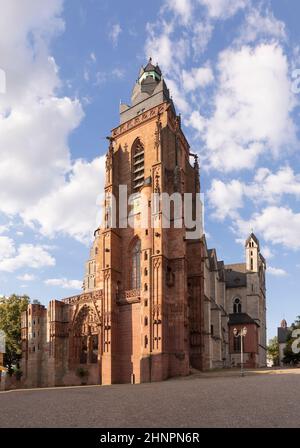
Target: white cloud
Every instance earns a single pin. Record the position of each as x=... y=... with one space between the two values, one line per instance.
x=277 y=225
x=202 y=33
x=267 y=252
x=278 y=272
x=27 y=255
x=34 y=122
x=252 y=108
x=196 y=77
x=258 y=25
x=178 y=96
x=72 y=209
x=226 y=198
x=270 y=187
x=181 y=8
x=196 y=121
x=93 y=57
x=26 y=278
x=223 y=9
x=159 y=47
x=114 y=33
x=64 y=283
x=7 y=247
x=4 y=228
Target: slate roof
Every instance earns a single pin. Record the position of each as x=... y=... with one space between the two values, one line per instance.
x=235 y=279
x=252 y=236
x=152 y=68
x=241 y=318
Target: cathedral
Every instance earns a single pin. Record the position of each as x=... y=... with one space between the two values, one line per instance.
x=155 y=302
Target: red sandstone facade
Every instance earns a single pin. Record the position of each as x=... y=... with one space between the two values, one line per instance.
x=155 y=304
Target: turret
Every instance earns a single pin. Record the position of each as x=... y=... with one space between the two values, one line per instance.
x=252 y=253
x=149 y=90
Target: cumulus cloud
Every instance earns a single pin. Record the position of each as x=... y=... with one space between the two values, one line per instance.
x=252 y=108
x=277 y=225
x=261 y=25
x=278 y=272
x=181 y=8
x=35 y=123
x=202 y=33
x=7 y=247
x=223 y=9
x=226 y=198
x=196 y=77
x=64 y=283
x=26 y=255
x=270 y=187
x=178 y=96
x=72 y=209
x=42 y=184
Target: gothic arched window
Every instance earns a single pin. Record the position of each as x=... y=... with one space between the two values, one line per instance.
x=138 y=177
x=135 y=274
x=237 y=306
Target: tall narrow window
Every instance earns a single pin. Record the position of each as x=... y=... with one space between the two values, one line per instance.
x=237 y=306
x=136 y=265
x=237 y=344
x=137 y=166
x=83 y=350
x=94 y=354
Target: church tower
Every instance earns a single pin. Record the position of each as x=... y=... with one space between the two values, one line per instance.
x=256 y=290
x=252 y=253
x=143 y=270
x=156 y=300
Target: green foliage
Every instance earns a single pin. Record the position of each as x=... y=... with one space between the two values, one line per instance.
x=11 y=309
x=273 y=350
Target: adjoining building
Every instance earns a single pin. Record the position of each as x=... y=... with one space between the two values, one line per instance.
x=283 y=333
x=155 y=303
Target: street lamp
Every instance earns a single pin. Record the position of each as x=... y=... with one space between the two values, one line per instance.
x=241 y=333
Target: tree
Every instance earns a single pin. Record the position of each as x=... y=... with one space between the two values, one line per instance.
x=11 y=309
x=273 y=350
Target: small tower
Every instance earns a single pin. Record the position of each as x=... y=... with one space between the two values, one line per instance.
x=150 y=90
x=283 y=324
x=252 y=253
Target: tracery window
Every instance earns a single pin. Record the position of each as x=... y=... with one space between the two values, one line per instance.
x=237 y=306
x=138 y=169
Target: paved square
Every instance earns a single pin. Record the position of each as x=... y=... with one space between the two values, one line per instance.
x=260 y=400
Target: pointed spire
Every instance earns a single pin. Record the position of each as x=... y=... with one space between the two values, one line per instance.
x=150 y=67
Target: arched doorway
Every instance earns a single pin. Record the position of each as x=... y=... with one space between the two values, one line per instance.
x=85 y=343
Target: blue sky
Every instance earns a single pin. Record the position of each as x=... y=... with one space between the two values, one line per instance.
x=231 y=68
